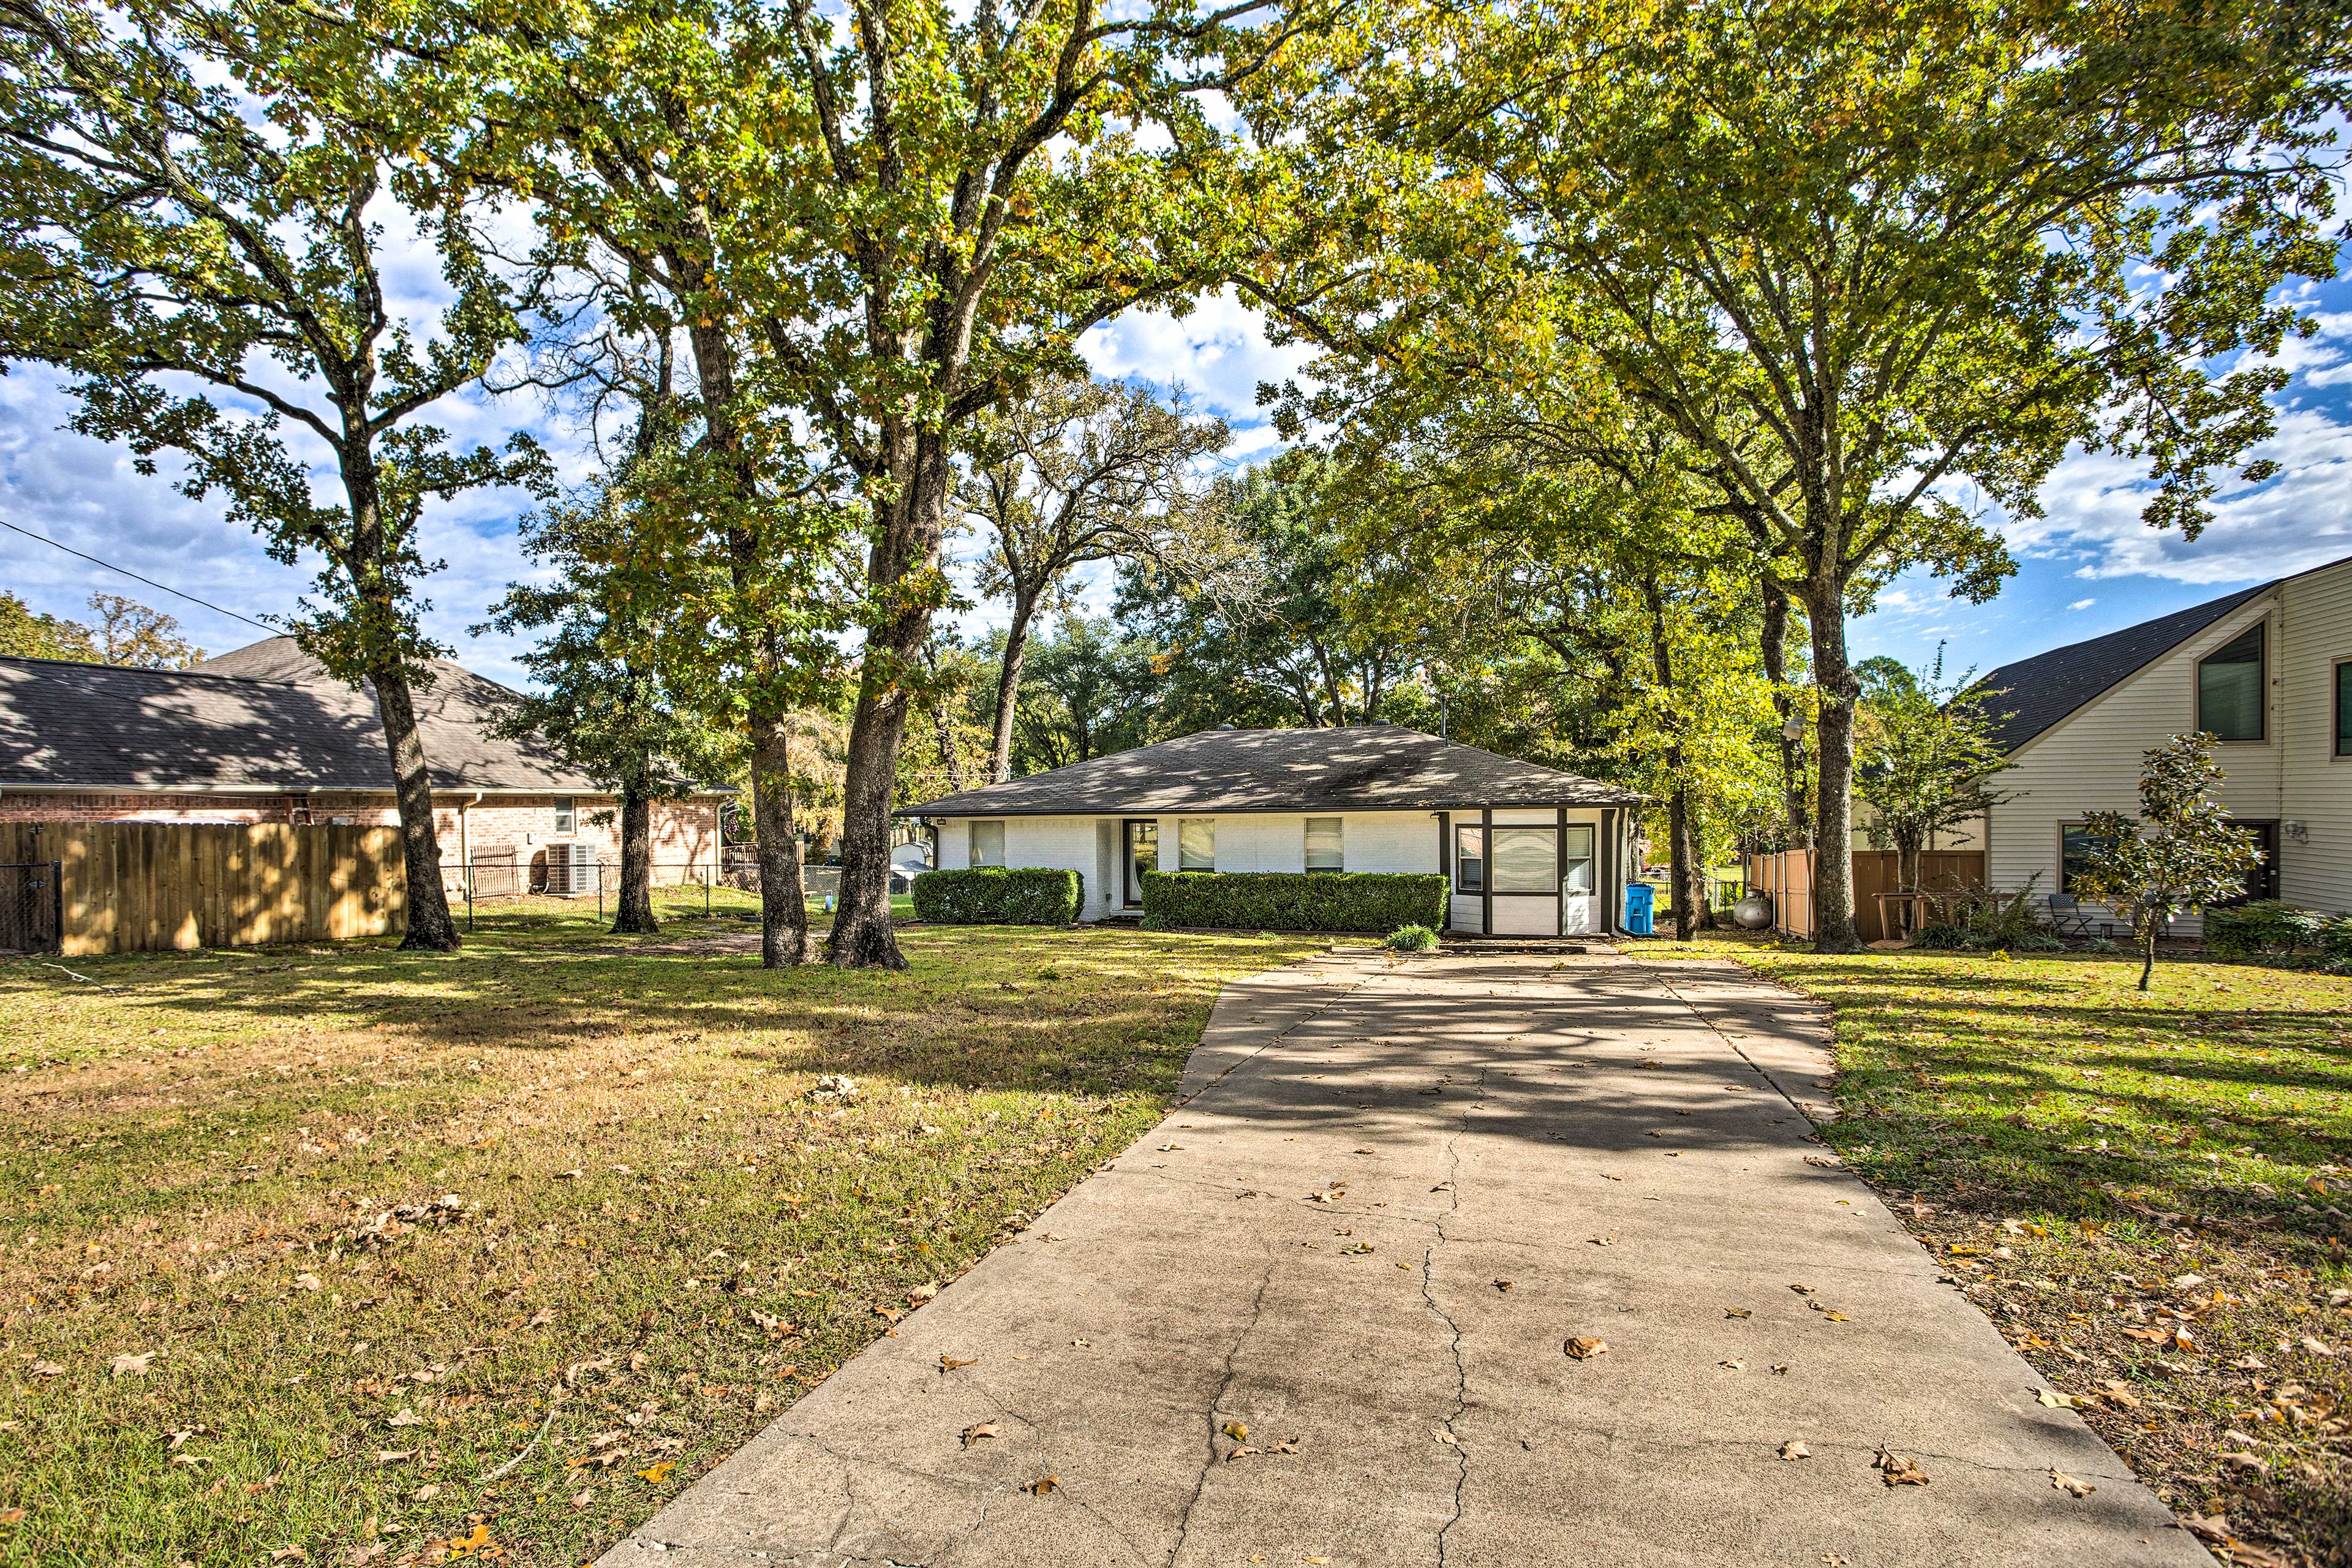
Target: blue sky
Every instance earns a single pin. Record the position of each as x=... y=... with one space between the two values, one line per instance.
x=2088 y=566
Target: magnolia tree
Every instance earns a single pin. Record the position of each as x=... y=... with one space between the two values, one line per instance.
x=1927 y=749
x=2181 y=855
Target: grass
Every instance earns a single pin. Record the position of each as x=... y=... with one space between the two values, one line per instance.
x=389 y=1258
x=2146 y=1193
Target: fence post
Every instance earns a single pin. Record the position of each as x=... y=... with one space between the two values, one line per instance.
x=600 y=892
x=57 y=906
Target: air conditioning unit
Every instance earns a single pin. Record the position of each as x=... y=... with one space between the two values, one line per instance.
x=570 y=868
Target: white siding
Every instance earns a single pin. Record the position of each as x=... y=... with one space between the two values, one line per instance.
x=2316 y=786
x=2091 y=760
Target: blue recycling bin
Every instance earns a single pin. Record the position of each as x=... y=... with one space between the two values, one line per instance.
x=1638 y=900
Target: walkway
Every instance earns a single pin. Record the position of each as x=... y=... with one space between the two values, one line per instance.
x=1320 y=1316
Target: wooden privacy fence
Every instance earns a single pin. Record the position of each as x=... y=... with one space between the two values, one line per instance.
x=133 y=887
x=1787 y=878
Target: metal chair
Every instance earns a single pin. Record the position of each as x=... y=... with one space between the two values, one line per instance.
x=2067 y=916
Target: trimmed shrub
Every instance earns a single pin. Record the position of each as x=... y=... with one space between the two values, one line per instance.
x=1293 y=900
x=999 y=894
x=1412 y=939
x=2265 y=927
x=2335 y=939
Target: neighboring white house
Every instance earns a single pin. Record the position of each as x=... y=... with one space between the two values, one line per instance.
x=2268 y=672
x=1529 y=850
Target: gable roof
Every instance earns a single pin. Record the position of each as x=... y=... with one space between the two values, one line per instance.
x=2037 y=692
x=268 y=717
x=1370 y=767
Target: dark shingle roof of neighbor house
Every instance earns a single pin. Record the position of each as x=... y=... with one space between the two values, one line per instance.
x=1370 y=767
x=2037 y=692
x=265 y=716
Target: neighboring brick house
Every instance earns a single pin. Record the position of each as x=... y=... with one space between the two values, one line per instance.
x=264 y=734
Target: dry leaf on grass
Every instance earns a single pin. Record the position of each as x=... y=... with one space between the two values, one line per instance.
x=129 y=1365
x=659 y=1473
x=1584 y=1348
x=542 y=1318
x=1897 y=1471
x=406 y=1418
x=393 y=1455
x=2063 y=1482
x=46 y=1369
x=1792 y=1449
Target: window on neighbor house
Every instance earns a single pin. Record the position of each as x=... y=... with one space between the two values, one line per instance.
x=1578 y=883
x=567 y=820
x=1326 y=849
x=1196 y=843
x=2077 y=845
x=1469 y=859
x=2229 y=688
x=987 y=844
x=2344 y=708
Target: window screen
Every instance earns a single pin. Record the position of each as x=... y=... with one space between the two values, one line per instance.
x=987 y=844
x=566 y=819
x=2230 y=689
x=1578 y=880
x=2344 y=708
x=1196 y=843
x=1527 y=861
x=1470 y=859
x=1325 y=850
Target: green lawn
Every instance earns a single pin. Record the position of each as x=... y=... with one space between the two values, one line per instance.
x=2145 y=1192
x=301 y=1247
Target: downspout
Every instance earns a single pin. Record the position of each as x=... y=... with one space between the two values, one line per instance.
x=465 y=836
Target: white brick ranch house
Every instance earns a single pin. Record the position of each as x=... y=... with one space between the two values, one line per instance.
x=1529 y=850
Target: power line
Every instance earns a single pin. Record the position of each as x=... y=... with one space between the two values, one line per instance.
x=232 y=615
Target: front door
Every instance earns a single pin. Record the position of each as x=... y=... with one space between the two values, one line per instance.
x=2262 y=877
x=1142 y=855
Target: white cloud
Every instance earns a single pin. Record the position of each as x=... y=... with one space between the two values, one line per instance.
x=2082 y=603
x=2300 y=520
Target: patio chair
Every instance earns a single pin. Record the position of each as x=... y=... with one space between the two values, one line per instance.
x=2067 y=916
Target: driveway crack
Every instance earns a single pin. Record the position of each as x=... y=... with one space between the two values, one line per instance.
x=1453 y=1328
x=1225 y=1385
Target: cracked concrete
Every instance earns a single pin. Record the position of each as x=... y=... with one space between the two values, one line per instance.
x=1396 y=1188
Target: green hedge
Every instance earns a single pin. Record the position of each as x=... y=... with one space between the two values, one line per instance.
x=997 y=895
x=1293 y=900
x=2265 y=927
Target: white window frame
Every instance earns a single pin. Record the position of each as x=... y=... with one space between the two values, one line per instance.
x=567 y=814
x=977 y=830
x=1339 y=831
x=1185 y=826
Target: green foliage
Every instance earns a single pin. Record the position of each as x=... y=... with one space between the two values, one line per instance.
x=1928 y=748
x=2014 y=922
x=2335 y=939
x=24 y=634
x=2182 y=853
x=1412 y=939
x=1293 y=900
x=2262 y=928
x=998 y=895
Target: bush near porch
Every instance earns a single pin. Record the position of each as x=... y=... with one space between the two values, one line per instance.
x=998 y=895
x=304 y=1245
x=1378 y=901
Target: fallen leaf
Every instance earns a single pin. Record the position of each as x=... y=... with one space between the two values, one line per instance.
x=425 y=1493
x=406 y=1418
x=1738 y=1312
x=289 y=1554
x=128 y=1365
x=1792 y=1449
x=1734 y=1365
x=1584 y=1348
x=393 y=1455
x=1781 y=1367
x=2066 y=1483
x=1897 y=1471
x=12 y=1516
x=1043 y=1485
x=1237 y=1430
x=975 y=1432
x=1603 y=1240
x=583 y=1497
x=659 y=1473
x=542 y=1318
x=949 y=1362
x=306 y=1281
x=46 y=1369
x=2053 y=1399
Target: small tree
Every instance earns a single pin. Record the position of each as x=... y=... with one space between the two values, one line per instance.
x=1927 y=749
x=2181 y=855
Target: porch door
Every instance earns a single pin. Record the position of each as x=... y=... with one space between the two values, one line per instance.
x=1525 y=865
x=2261 y=878
x=1142 y=855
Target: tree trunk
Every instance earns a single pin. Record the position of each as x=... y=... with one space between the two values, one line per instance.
x=2148 y=965
x=430 y=927
x=1008 y=687
x=1834 y=924
x=905 y=546
x=1796 y=809
x=784 y=897
x=636 y=913
x=1682 y=875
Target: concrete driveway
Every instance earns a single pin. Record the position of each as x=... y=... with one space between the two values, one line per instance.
x=1318 y=1317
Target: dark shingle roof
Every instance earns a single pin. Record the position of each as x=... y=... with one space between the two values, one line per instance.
x=1374 y=767
x=264 y=717
x=2037 y=692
